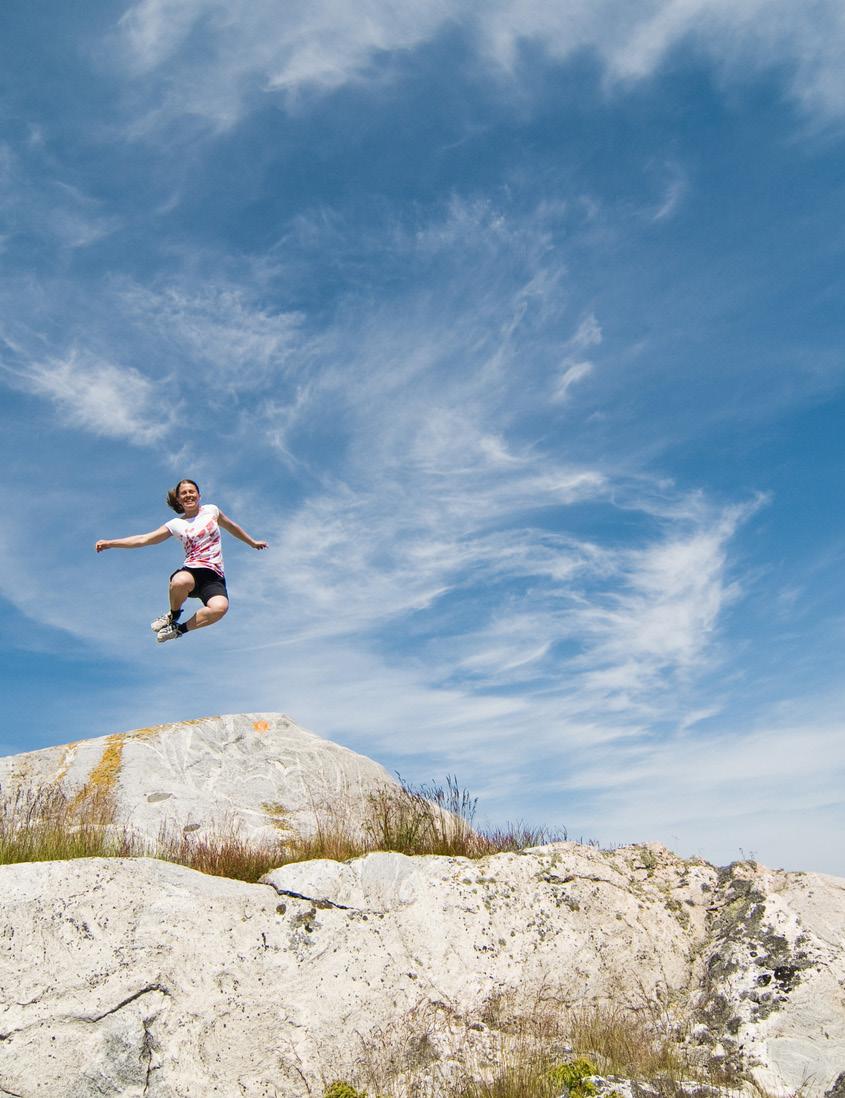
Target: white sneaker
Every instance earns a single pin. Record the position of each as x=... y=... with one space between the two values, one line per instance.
x=169 y=633
x=160 y=622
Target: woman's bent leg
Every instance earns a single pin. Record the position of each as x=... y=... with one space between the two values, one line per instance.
x=210 y=613
x=181 y=585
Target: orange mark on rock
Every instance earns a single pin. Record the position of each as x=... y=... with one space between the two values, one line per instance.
x=261 y=726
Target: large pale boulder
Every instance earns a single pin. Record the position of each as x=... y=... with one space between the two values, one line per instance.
x=138 y=978
x=259 y=770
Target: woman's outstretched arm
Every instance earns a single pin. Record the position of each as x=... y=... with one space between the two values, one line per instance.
x=137 y=541
x=239 y=532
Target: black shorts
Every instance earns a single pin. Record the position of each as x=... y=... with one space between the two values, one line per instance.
x=207 y=584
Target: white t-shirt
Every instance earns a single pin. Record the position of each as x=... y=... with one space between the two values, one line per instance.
x=200 y=536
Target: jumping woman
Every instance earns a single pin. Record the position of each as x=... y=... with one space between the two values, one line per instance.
x=201 y=576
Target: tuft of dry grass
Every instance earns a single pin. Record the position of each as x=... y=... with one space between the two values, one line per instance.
x=432 y=818
x=46 y=824
x=223 y=852
x=539 y=1050
x=517 y=1077
x=440 y=819
x=51 y=824
x=625 y=1041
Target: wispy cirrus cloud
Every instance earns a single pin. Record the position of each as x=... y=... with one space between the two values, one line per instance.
x=218 y=328
x=249 y=50
x=102 y=397
x=37 y=202
x=441 y=520
x=575 y=367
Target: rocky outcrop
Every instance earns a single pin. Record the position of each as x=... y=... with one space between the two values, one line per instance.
x=260 y=771
x=135 y=977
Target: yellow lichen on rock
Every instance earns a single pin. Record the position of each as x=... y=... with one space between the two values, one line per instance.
x=157 y=729
x=105 y=773
x=103 y=778
x=278 y=816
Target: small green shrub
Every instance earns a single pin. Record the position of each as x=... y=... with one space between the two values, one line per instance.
x=341 y=1089
x=574 y=1075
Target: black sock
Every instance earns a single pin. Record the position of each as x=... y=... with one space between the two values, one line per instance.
x=182 y=628
x=175 y=614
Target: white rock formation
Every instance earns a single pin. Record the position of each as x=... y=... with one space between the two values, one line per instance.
x=138 y=978
x=260 y=769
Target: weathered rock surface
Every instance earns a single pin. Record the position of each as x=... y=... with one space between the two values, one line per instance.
x=139 y=978
x=259 y=769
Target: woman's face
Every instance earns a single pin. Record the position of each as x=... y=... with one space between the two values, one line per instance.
x=189 y=497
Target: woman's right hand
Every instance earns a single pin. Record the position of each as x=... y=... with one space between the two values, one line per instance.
x=101 y=545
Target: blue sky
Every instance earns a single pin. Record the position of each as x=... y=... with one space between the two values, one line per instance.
x=516 y=329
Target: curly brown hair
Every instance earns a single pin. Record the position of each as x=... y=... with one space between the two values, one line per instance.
x=173 y=495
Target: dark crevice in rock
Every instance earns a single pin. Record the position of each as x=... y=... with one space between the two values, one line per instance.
x=319 y=903
x=128 y=1000
x=84 y=1018
x=147 y=1054
x=597 y=880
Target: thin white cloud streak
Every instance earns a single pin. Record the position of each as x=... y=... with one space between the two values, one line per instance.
x=217 y=58
x=573 y=373
x=589 y=334
x=221 y=332
x=261 y=47
x=36 y=202
x=103 y=398
x=674 y=191
x=673 y=593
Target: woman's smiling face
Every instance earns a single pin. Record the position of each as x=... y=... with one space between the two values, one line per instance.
x=189 y=498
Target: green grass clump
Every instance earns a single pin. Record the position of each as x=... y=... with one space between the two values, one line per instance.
x=516 y=1080
x=47 y=824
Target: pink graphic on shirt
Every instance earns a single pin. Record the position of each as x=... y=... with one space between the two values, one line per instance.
x=200 y=537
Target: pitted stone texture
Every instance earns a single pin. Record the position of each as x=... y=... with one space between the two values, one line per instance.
x=135 y=977
x=775 y=975
x=260 y=770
